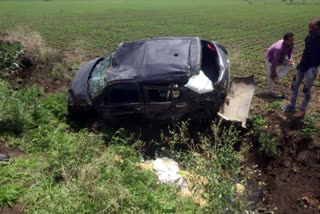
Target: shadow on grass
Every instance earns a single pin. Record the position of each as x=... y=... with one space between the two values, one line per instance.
x=267 y=97
x=151 y=133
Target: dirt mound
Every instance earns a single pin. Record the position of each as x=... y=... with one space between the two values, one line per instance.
x=12 y=152
x=42 y=65
x=293 y=177
x=15 y=209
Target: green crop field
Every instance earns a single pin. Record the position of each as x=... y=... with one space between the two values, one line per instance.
x=245 y=27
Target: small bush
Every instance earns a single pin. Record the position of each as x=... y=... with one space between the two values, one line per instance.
x=9 y=55
x=27 y=110
x=309 y=124
x=18 y=108
x=268 y=145
x=56 y=105
x=275 y=105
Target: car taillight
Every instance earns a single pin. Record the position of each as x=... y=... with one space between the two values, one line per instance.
x=212 y=47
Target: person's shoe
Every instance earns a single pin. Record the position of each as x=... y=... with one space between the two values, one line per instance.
x=299 y=114
x=288 y=108
x=303 y=109
x=276 y=96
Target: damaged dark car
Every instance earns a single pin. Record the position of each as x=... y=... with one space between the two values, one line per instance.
x=160 y=79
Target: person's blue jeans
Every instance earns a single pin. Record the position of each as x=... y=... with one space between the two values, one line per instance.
x=308 y=76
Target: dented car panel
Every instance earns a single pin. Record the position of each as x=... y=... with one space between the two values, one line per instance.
x=78 y=93
x=147 y=78
x=238 y=101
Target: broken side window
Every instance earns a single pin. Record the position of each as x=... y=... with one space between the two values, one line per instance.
x=97 y=80
x=123 y=94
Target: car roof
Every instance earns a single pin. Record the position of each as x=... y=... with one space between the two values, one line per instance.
x=162 y=59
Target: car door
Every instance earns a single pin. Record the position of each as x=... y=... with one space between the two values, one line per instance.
x=158 y=102
x=123 y=99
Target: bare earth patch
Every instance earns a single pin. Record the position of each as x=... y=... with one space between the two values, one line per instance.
x=17 y=208
x=12 y=152
x=292 y=178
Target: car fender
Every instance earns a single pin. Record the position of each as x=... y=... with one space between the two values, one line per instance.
x=78 y=93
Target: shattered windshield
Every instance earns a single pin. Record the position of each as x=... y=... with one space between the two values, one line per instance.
x=97 y=80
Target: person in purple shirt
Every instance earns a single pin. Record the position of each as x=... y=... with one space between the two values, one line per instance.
x=307 y=69
x=279 y=55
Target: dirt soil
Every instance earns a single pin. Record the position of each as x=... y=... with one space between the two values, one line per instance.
x=33 y=75
x=15 y=209
x=12 y=152
x=292 y=178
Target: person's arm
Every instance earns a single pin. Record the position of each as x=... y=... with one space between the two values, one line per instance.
x=290 y=55
x=318 y=56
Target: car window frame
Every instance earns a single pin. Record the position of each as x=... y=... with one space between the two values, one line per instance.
x=153 y=87
x=109 y=91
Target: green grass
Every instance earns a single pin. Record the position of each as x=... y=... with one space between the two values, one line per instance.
x=73 y=172
x=274 y=106
x=267 y=143
x=64 y=171
x=309 y=125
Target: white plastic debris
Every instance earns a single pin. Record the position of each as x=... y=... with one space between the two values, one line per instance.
x=200 y=83
x=167 y=171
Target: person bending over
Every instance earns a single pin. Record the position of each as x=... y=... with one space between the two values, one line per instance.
x=279 y=60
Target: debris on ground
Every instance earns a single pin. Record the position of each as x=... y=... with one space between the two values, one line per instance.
x=240 y=189
x=167 y=171
x=4 y=157
x=9 y=151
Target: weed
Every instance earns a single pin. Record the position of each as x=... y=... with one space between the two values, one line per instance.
x=57 y=71
x=56 y=105
x=215 y=165
x=268 y=145
x=275 y=105
x=19 y=108
x=9 y=55
x=309 y=124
